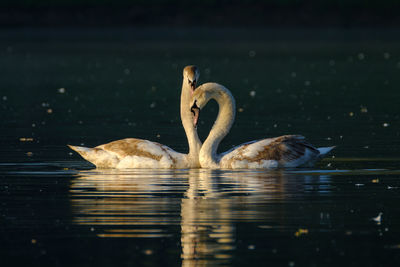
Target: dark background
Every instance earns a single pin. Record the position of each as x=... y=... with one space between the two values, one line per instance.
x=259 y=13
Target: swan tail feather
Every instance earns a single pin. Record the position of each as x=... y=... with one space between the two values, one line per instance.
x=97 y=156
x=325 y=150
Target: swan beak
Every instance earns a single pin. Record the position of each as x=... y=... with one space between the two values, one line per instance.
x=196 y=113
x=192 y=85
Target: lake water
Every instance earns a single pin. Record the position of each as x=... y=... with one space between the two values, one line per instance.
x=90 y=87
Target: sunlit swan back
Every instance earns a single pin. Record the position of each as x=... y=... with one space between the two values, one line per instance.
x=283 y=151
x=139 y=153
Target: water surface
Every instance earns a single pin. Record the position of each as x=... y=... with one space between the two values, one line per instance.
x=91 y=87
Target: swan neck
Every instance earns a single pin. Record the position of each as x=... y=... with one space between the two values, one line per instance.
x=187 y=122
x=223 y=123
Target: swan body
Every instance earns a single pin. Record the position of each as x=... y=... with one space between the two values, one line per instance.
x=283 y=151
x=139 y=153
x=133 y=153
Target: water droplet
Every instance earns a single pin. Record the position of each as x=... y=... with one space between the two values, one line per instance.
x=252 y=93
x=385 y=124
x=61 y=90
x=351 y=114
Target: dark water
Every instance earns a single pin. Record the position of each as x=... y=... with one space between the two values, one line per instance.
x=90 y=87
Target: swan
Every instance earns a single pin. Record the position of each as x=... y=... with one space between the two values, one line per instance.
x=139 y=153
x=283 y=151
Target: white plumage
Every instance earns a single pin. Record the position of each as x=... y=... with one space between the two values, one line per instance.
x=283 y=151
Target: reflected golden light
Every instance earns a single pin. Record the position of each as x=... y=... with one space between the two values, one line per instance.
x=206 y=204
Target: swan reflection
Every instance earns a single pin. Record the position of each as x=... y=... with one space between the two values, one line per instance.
x=206 y=204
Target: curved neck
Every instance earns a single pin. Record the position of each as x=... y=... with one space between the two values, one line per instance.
x=223 y=123
x=187 y=122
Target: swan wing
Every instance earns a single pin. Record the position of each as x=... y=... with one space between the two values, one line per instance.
x=132 y=153
x=283 y=151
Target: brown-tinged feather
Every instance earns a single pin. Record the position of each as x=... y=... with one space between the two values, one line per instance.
x=282 y=149
x=129 y=147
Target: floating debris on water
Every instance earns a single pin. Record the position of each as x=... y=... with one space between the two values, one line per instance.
x=386 y=55
x=378 y=219
x=253 y=93
x=301 y=231
x=351 y=114
x=251 y=247
x=252 y=53
x=49 y=111
x=29 y=154
x=363 y=109
x=26 y=139
x=375 y=181
x=148 y=252
x=385 y=124
x=359 y=185
x=241 y=110
x=61 y=90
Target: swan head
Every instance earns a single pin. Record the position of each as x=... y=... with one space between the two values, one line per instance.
x=191 y=75
x=200 y=98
